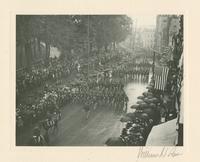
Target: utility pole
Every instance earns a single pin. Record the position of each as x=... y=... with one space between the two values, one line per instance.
x=134 y=34
x=153 y=67
x=88 y=34
x=154 y=58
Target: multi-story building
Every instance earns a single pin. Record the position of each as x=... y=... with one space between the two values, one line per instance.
x=166 y=27
x=147 y=36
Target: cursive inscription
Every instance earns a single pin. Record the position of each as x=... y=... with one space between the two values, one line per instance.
x=164 y=152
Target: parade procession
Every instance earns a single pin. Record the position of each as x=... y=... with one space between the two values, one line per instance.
x=99 y=80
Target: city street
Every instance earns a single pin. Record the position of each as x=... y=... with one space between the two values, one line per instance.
x=108 y=82
x=75 y=130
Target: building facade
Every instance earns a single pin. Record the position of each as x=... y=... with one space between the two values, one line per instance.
x=147 y=36
x=166 y=27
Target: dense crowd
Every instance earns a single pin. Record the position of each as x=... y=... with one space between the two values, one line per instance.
x=133 y=71
x=37 y=76
x=102 y=93
x=139 y=123
x=92 y=93
x=56 y=70
x=151 y=109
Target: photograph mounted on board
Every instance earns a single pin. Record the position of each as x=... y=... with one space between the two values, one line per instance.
x=99 y=80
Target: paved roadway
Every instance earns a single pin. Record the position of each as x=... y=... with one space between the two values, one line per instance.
x=133 y=90
x=75 y=130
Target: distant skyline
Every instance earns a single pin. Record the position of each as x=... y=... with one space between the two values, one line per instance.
x=144 y=21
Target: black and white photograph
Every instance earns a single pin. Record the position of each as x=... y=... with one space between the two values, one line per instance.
x=99 y=80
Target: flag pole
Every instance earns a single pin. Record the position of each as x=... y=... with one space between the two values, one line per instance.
x=154 y=57
x=153 y=68
x=88 y=45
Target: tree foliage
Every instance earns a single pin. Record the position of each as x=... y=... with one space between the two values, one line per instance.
x=68 y=32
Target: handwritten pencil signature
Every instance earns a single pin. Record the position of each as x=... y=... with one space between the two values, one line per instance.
x=164 y=152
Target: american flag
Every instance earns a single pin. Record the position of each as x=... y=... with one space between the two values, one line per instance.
x=160 y=77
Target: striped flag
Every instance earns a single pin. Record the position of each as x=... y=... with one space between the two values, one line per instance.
x=160 y=78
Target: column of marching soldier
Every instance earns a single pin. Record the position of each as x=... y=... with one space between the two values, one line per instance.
x=90 y=94
x=55 y=71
